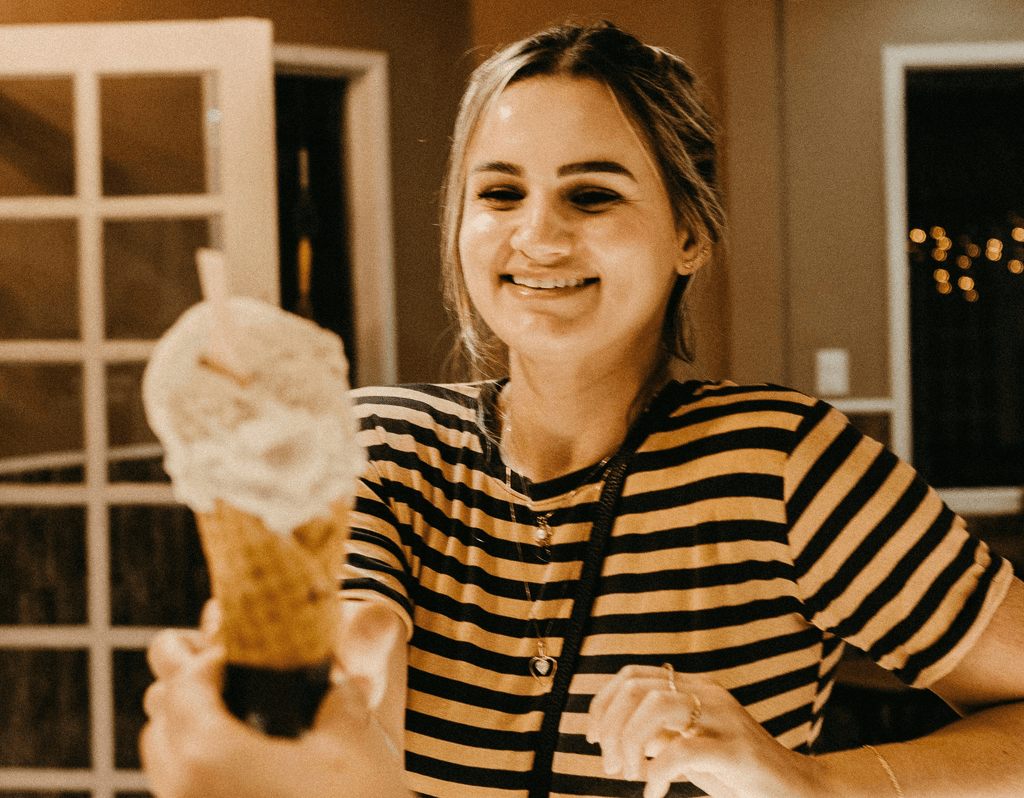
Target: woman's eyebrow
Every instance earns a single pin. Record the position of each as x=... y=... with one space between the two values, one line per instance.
x=579 y=168
x=583 y=167
x=503 y=167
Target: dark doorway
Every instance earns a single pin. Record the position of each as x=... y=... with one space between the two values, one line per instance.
x=311 y=203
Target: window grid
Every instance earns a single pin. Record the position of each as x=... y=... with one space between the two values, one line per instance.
x=214 y=54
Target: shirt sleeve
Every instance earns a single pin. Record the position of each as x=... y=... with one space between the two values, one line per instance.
x=880 y=560
x=377 y=564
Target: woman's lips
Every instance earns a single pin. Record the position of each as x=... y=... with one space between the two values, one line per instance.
x=548 y=283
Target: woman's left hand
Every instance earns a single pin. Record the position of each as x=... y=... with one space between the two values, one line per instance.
x=659 y=726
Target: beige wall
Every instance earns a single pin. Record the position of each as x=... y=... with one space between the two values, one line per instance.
x=796 y=85
x=830 y=205
x=426 y=43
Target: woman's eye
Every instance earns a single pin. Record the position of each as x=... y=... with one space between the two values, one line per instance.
x=595 y=199
x=500 y=195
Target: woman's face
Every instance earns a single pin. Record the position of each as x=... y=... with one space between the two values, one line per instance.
x=568 y=241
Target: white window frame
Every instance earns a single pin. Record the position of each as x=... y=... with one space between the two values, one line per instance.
x=368 y=195
x=247 y=231
x=243 y=200
x=896 y=60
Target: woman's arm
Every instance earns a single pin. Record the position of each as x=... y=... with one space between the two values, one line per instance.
x=980 y=755
x=693 y=729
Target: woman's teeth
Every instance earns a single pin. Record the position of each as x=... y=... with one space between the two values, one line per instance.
x=533 y=282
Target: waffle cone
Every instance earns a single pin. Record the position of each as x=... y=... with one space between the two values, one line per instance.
x=277 y=593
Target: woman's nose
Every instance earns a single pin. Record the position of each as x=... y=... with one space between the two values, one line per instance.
x=540 y=235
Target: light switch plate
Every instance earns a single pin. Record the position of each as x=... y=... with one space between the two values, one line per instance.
x=832 y=372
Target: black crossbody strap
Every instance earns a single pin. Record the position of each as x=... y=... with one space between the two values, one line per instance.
x=604 y=519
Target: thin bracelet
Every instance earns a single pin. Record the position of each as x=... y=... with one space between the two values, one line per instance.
x=888 y=770
x=395 y=752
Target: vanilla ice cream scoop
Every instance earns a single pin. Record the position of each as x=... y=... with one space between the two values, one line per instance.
x=278 y=442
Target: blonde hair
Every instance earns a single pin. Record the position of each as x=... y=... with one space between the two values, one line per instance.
x=657 y=90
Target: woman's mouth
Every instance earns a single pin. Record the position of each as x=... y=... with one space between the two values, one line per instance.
x=548 y=283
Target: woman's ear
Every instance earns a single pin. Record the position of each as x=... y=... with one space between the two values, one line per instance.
x=694 y=252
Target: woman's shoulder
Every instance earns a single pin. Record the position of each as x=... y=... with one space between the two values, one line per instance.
x=772 y=414
x=729 y=397
x=466 y=394
x=425 y=404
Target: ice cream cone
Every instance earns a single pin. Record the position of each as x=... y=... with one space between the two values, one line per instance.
x=278 y=594
x=262 y=446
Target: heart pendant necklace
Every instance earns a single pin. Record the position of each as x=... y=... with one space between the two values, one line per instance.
x=541 y=665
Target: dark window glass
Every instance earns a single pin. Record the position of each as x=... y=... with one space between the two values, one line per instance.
x=44 y=708
x=131 y=678
x=965 y=156
x=44 y=565
x=158 y=576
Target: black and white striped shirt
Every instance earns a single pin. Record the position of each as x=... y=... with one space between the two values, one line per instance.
x=757 y=531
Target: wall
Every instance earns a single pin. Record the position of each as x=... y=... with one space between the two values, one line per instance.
x=796 y=85
x=426 y=44
x=832 y=193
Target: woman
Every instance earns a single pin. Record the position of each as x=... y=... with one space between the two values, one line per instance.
x=749 y=530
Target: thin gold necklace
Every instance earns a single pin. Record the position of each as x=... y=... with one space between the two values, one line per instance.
x=543 y=533
x=542 y=665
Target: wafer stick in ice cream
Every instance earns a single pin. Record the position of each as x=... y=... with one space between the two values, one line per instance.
x=268 y=463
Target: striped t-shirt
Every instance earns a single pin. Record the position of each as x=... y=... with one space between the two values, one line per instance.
x=757 y=531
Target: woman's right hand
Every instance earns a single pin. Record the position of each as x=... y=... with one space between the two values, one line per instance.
x=192 y=747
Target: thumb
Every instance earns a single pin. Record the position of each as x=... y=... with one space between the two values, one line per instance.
x=368 y=637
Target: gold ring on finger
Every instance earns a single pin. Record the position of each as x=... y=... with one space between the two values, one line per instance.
x=671 y=677
x=698 y=709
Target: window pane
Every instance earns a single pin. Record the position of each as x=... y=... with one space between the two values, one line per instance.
x=41 y=438
x=38 y=278
x=37 y=156
x=44 y=571
x=965 y=155
x=150 y=273
x=44 y=709
x=131 y=678
x=158 y=575
x=27 y=794
x=152 y=135
x=135 y=454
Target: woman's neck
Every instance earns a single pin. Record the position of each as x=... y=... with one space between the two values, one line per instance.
x=558 y=420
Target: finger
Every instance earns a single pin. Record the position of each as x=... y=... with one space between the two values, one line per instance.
x=191 y=696
x=171 y=649
x=668 y=765
x=642 y=733
x=152 y=761
x=656 y=788
x=153 y=698
x=210 y=619
x=602 y=700
x=624 y=703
